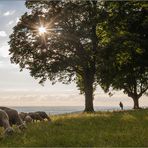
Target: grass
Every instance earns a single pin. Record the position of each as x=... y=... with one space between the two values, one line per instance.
x=105 y=129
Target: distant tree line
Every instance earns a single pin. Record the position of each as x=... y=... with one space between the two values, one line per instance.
x=89 y=42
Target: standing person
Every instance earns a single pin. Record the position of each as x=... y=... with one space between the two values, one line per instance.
x=121 y=105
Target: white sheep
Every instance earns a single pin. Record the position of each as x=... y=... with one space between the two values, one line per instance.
x=4 y=122
x=28 y=119
x=14 y=118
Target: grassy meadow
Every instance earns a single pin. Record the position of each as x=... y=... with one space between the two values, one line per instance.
x=107 y=129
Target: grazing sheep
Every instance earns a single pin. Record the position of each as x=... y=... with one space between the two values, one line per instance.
x=22 y=115
x=43 y=115
x=4 y=121
x=28 y=119
x=13 y=117
x=8 y=131
x=35 y=116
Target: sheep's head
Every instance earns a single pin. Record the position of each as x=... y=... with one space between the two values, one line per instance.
x=8 y=131
x=22 y=126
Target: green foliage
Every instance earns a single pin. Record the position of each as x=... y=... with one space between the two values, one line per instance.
x=69 y=47
x=123 y=60
x=105 y=129
x=66 y=48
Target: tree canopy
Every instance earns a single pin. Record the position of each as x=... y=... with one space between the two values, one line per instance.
x=123 y=64
x=67 y=50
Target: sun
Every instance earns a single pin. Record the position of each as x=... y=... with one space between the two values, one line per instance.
x=42 y=30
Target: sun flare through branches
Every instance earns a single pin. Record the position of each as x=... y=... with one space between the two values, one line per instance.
x=42 y=30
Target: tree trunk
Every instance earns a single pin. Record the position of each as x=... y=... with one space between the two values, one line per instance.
x=89 y=100
x=88 y=90
x=136 y=103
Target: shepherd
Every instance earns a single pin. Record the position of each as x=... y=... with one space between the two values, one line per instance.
x=121 y=105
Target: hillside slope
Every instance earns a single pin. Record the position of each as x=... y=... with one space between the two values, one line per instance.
x=127 y=128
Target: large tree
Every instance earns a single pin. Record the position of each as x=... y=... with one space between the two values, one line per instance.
x=124 y=55
x=66 y=47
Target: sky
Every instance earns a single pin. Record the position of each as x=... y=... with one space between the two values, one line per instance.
x=20 y=89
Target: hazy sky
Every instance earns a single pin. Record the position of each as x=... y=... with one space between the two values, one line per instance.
x=19 y=88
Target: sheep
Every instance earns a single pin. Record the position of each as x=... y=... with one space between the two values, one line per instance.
x=39 y=115
x=4 y=119
x=4 y=122
x=25 y=117
x=35 y=116
x=43 y=115
x=22 y=115
x=28 y=119
x=14 y=117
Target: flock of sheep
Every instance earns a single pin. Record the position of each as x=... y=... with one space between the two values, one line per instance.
x=10 y=117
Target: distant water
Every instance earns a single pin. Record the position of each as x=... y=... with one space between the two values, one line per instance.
x=54 y=110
